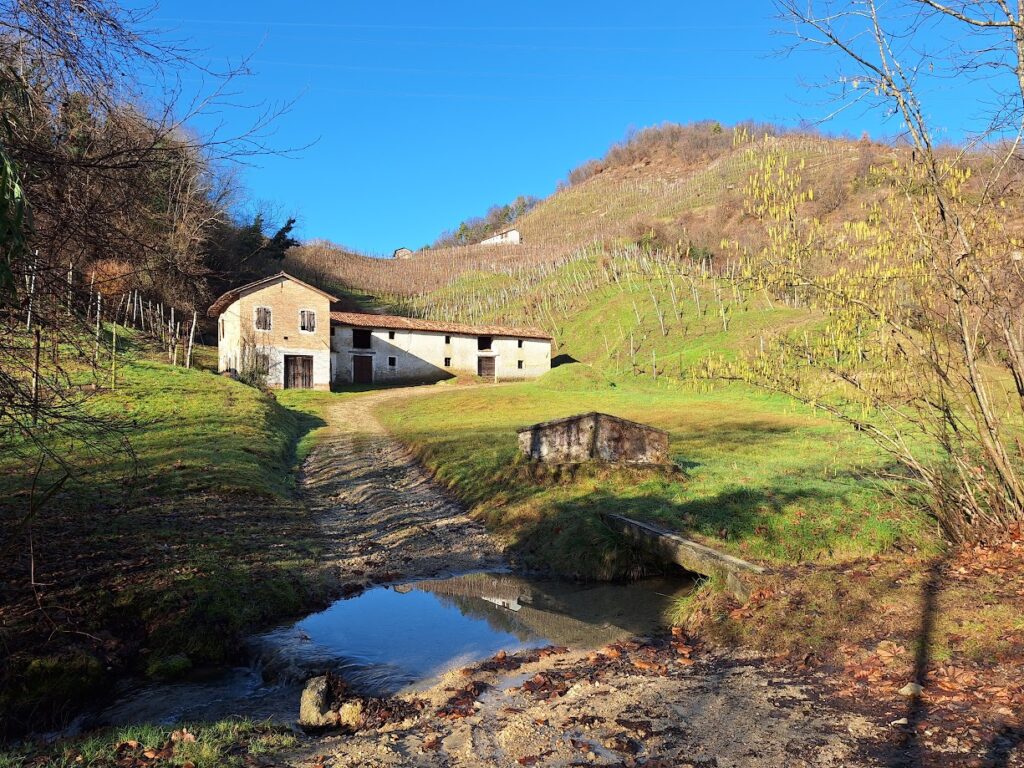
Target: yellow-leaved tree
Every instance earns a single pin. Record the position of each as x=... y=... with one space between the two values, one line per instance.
x=916 y=331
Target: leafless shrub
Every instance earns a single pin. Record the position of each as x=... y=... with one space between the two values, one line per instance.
x=253 y=362
x=691 y=144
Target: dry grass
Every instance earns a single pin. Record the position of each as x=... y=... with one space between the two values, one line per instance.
x=426 y=271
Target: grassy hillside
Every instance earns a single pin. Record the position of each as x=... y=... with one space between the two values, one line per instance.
x=160 y=563
x=759 y=477
x=662 y=190
x=659 y=188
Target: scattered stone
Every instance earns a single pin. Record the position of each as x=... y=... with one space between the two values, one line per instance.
x=351 y=714
x=911 y=690
x=622 y=744
x=432 y=743
x=315 y=704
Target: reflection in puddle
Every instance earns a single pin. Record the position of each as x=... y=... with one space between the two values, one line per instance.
x=392 y=638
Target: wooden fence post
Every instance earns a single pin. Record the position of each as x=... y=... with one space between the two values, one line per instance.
x=113 y=357
x=191 y=339
x=35 y=378
x=99 y=310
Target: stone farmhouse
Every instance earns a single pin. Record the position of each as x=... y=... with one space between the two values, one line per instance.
x=289 y=325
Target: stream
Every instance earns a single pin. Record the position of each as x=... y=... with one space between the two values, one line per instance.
x=396 y=638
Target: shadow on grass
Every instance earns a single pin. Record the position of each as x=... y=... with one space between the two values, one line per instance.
x=381 y=386
x=1002 y=747
x=571 y=535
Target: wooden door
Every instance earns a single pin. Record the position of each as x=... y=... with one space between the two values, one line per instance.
x=298 y=372
x=362 y=369
x=485 y=367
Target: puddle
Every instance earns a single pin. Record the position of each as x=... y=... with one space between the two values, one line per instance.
x=395 y=638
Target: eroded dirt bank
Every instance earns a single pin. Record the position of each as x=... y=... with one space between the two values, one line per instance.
x=657 y=702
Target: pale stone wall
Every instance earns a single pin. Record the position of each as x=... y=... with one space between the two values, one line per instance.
x=597 y=436
x=421 y=356
x=228 y=347
x=285 y=299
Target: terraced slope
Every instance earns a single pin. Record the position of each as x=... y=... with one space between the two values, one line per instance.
x=623 y=267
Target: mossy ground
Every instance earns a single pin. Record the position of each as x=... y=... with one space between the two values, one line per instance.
x=202 y=745
x=157 y=561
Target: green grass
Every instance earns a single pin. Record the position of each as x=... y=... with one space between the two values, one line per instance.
x=161 y=564
x=760 y=477
x=225 y=743
x=189 y=430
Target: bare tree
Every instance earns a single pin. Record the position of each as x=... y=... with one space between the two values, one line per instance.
x=922 y=342
x=103 y=203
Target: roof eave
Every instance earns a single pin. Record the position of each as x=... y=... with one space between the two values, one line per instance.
x=228 y=298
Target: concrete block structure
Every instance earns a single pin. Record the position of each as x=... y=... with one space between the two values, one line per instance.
x=290 y=326
x=594 y=437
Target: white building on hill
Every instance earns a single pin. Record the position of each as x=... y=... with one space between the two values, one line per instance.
x=508 y=237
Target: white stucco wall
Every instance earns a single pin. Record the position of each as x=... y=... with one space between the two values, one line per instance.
x=420 y=356
x=228 y=347
x=505 y=238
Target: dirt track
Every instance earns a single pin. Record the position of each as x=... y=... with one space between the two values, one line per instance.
x=384 y=517
x=634 y=704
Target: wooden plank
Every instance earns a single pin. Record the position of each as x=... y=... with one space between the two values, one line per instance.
x=692 y=556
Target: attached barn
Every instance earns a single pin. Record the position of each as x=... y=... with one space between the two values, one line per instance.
x=285 y=329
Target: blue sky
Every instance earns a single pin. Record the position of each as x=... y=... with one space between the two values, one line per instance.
x=422 y=114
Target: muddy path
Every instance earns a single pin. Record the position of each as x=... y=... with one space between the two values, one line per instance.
x=656 y=702
x=382 y=515
x=634 y=703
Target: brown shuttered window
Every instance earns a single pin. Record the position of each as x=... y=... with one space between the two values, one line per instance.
x=262 y=319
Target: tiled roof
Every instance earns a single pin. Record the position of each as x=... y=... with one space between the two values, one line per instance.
x=224 y=301
x=397 y=323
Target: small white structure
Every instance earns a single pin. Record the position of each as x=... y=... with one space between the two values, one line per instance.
x=401 y=253
x=370 y=349
x=508 y=237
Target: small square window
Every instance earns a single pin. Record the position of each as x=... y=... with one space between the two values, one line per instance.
x=447 y=362
x=307 y=320
x=392 y=361
x=519 y=364
x=447 y=339
x=362 y=338
x=520 y=343
x=391 y=334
